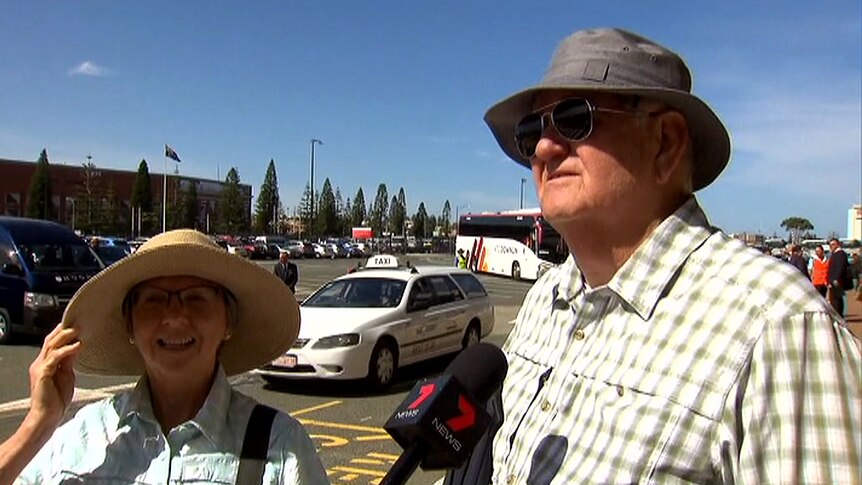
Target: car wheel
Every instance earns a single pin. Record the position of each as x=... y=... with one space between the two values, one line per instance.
x=516 y=271
x=381 y=368
x=472 y=336
x=5 y=327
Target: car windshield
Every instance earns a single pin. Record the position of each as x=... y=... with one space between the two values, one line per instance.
x=54 y=257
x=358 y=293
x=111 y=254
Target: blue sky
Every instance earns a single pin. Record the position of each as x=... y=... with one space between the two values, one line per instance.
x=397 y=90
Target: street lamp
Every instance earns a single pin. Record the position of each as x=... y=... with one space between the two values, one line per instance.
x=523 y=180
x=311 y=221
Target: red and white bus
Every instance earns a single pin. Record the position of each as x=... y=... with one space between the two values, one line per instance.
x=519 y=244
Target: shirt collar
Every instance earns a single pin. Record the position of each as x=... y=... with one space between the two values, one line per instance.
x=210 y=419
x=644 y=276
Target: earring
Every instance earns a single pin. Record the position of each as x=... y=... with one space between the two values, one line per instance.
x=227 y=336
x=132 y=341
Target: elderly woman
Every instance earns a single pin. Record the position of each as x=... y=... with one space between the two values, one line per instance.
x=184 y=315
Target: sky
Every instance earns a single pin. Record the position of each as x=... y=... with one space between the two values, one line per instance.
x=396 y=91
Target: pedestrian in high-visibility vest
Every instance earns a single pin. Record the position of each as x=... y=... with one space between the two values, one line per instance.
x=819 y=267
x=461 y=260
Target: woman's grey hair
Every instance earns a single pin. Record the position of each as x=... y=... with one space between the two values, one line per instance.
x=230 y=303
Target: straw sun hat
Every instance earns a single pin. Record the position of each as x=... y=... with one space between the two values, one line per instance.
x=617 y=61
x=268 y=315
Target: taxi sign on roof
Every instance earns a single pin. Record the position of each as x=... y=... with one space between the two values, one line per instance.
x=382 y=261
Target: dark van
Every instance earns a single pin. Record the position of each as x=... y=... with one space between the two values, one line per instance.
x=42 y=264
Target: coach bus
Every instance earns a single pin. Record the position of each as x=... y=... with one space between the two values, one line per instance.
x=519 y=244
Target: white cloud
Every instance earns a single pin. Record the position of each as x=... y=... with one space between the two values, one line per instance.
x=800 y=142
x=89 y=68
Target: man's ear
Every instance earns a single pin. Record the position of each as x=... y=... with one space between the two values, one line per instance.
x=674 y=141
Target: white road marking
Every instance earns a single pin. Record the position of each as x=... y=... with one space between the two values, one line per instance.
x=81 y=395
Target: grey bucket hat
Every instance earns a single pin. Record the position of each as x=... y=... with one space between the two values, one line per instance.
x=617 y=61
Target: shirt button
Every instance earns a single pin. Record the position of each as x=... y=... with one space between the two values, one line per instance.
x=510 y=479
x=620 y=391
x=546 y=406
x=579 y=334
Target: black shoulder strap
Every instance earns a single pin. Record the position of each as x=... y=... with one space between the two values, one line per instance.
x=255 y=445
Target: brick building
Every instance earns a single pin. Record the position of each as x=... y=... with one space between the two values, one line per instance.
x=68 y=182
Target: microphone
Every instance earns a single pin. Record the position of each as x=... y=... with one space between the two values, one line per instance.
x=442 y=418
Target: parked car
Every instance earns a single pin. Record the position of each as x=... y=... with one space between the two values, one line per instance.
x=338 y=250
x=367 y=324
x=42 y=264
x=111 y=254
x=295 y=248
x=322 y=251
x=308 y=250
x=232 y=248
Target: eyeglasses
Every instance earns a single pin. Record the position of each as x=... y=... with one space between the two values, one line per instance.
x=194 y=298
x=572 y=118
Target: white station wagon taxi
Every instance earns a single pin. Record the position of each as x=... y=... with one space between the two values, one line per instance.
x=367 y=324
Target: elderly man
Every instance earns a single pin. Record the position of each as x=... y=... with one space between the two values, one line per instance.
x=662 y=350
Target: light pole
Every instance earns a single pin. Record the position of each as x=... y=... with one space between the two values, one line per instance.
x=311 y=202
x=523 y=180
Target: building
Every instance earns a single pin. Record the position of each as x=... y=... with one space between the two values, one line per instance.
x=71 y=183
x=854 y=222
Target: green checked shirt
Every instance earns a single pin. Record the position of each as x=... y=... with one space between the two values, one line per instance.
x=701 y=361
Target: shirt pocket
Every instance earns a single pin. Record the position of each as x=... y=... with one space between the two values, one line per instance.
x=654 y=434
x=208 y=468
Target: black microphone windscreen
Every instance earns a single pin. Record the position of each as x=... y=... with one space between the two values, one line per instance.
x=480 y=368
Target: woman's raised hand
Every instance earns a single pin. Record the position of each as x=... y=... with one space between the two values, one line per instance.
x=52 y=379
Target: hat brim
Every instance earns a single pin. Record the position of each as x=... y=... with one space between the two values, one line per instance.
x=710 y=140
x=268 y=314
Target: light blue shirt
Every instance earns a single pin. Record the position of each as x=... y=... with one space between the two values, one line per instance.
x=118 y=441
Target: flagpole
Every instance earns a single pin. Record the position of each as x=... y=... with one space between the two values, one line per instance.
x=165 y=191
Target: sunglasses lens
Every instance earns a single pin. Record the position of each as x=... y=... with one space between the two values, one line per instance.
x=573 y=119
x=528 y=133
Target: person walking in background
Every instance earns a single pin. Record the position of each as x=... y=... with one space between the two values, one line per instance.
x=662 y=350
x=286 y=270
x=819 y=269
x=798 y=260
x=838 y=275
x=461 y=259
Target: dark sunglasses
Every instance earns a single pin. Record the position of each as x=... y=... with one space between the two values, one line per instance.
x=572 y=118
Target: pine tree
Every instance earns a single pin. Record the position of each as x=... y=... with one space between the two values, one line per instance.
x=142 y=200
x=108 y=215
x=39 y=199
x=420 y=220
x=90 y=197
x=327 y=217
x=358 y=215
x=304 y=214
x=232 y=218
x=266 y=212
x=340 y=220
x=394 y=227
x=398 y=213
x=445 y=218
x=189 y=206
x=380 y=211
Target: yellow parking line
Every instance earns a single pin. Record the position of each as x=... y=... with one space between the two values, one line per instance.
x=351 y=427
x=366 y=461
x=384 y=456
x=377 y=437
x=315 y=408
x=361 y=471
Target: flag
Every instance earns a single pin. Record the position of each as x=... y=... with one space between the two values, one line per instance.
x=170 y=153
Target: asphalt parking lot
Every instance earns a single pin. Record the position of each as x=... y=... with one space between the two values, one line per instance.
x=344 y=419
